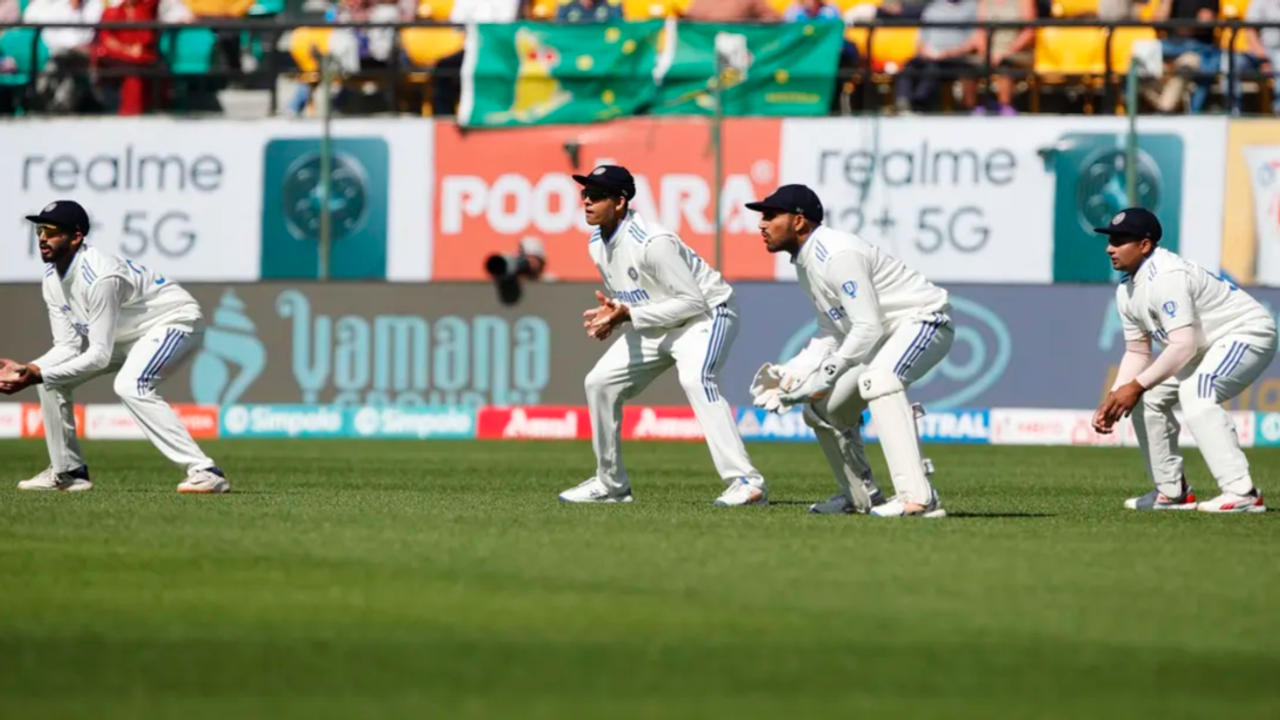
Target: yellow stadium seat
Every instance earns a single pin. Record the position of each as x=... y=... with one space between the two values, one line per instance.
x=1233 y=9
x=1074 y=8
x=845 y=6
x=1122 y=46
x=642 y=9
x=780 y=6
x=425 y=46
x=892 y=47
x=1070 y=51
x=306 y=43
x=543 y=9
x=435 y=9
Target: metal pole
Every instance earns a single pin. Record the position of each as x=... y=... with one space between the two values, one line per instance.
x=1131 y=150
x=322 y=261
x=717 y=150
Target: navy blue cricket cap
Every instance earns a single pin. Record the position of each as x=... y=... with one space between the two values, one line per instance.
x=798 y=199
x=614 y=179
x=1135 y=222
x=66 y=214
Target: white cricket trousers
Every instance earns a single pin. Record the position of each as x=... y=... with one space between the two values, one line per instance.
x=141 y=365
x=910 y=352
x=1226 y=368
x=698 y=350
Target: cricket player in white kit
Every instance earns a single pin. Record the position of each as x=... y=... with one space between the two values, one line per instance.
x=882 y=326
x=1217 y=339
x=107 y=315
x=681 y=313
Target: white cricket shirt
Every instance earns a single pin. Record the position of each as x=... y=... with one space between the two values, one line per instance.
x=861 y=292
x=651 y=271
x=1169 y=292
x=105 y=299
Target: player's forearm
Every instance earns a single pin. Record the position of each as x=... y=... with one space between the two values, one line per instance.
x=56 y=355
x=1174 y=357
x=858 y=344
x=667 y=313
x=93 y=360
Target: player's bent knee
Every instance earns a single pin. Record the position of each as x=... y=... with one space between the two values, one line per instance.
x=127 y=387
x=814 y=420
x=878 y=382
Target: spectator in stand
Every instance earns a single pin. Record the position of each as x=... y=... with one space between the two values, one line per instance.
x=120 y=51
x=589 y=11
x=228 y=40
x=1192 y=52
x=941 y=52
x=731 y=11
x=1010 y=50
x=446 y=83
x=805 y=10
x=64 y=86
x=1264 y=45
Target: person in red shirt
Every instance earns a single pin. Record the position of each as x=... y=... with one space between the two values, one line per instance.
x=118 y=50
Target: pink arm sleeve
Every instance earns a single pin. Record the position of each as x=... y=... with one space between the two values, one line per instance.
x=1180 y=349
x=1137 y=356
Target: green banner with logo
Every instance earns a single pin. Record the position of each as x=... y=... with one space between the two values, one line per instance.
x=787 y=69
x=534 y=73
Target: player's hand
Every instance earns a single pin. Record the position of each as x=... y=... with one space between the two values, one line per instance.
x=1120 y=402
x=603 y=318
x=794 y=389
x=1100 y=423
x=15 y=377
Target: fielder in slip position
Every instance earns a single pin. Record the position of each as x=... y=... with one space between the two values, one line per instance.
x=881 y=327
x=681 y=313
x=1217 y=339
x=107 y=314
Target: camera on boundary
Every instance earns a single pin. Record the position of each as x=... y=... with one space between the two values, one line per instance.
x=529 y=261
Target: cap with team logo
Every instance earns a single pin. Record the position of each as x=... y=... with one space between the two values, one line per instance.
x=1134 y=222
x=66 y=214
x=798 y=199
x=613 y=179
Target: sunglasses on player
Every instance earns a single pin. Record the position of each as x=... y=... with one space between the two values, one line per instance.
x=595 y=194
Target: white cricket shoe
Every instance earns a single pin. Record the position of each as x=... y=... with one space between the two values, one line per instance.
x=1156 y=500
x=837 y=504
x=1233 y=503
x=741 y=493
x=207 y=481
x=74 y=481
x=896 y=506
x=592 y=490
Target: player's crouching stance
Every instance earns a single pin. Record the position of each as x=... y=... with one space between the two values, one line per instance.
x=106 y=314
x=1217 y=340
x=682 y=313
x=881 y=326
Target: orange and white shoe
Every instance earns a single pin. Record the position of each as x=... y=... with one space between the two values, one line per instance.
x=207 y=481
x=1250 y=502
x=1156 y=500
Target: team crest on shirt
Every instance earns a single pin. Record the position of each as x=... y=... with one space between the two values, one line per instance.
x=850 y=288
x=1170 y=308
x=633 y=274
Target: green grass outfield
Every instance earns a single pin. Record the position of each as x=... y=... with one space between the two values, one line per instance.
x=437 y=579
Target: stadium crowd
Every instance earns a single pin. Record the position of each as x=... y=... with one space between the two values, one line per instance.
x=926 y=67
